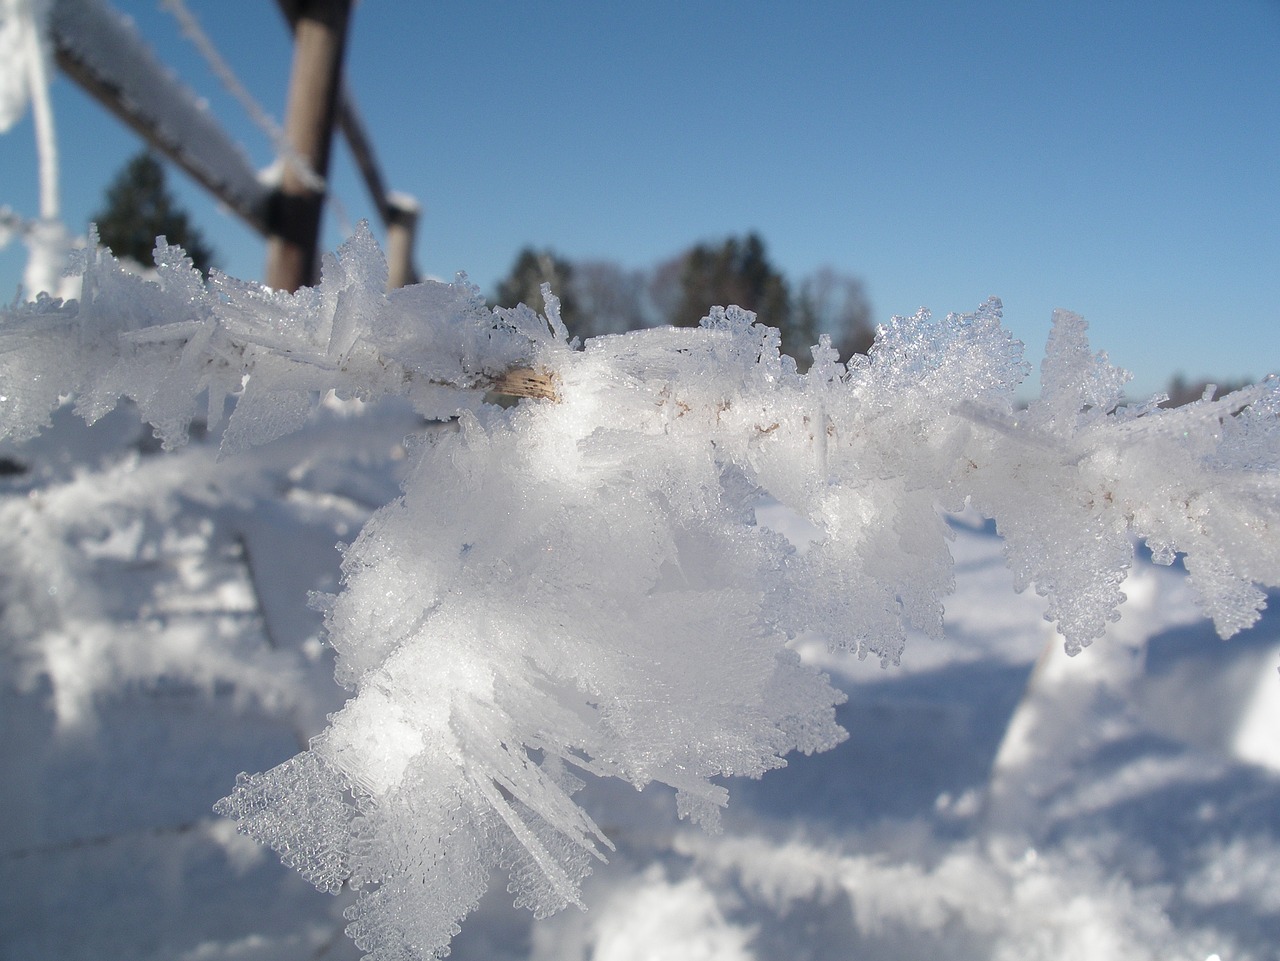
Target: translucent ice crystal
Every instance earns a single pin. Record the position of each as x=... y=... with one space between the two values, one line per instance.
x=577 y=586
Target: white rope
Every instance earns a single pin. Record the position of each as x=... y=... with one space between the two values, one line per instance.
x=46 y=240
x=192 y=30
x=34 y=54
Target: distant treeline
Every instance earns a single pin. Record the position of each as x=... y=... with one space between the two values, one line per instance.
x=1182 y=391
x=602 y=297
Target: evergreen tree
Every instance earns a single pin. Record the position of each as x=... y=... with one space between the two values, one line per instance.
x=139 y=208
x=608 y=298
x=829 y=302
x=523 y=285
x=600 y=297
x=738 y=272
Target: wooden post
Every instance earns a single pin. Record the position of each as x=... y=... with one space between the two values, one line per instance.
x=402 y=220
x=295 y=207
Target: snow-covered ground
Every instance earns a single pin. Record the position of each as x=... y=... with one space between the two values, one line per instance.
x=994 y=799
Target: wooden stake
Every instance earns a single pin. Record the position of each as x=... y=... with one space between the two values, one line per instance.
x=402 y=219
x=295 y=208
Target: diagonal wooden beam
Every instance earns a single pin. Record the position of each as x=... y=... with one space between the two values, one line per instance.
x=88 y=38
x=398 y=215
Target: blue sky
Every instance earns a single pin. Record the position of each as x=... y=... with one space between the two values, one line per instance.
x=1120 y=159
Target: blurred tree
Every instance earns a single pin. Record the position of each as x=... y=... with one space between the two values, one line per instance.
x=139 y=208
x=664 y=288
x=602 y=297
x=523 y=285
x=1182 y=391
x=735 y=272
x=607 y=298
x=832 y=303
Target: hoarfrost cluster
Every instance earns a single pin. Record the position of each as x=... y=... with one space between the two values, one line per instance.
x=576 y=586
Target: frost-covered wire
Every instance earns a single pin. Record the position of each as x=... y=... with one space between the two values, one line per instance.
x=184 y=345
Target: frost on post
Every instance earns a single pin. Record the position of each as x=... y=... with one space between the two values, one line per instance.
x=577 y=587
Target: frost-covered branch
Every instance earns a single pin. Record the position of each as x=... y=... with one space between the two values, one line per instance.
x=178 y=346
x=578 y=586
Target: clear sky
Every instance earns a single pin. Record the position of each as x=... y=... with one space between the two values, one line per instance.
x=1117 y=158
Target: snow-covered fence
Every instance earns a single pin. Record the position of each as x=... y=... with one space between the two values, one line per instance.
x=319 y=41
x=104 y=54
x=579 y=584
x=102 y=51
x=398 y=212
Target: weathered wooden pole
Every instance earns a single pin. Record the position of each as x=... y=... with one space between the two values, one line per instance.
x=402 y=221
x=393 y=208
x=295 y=208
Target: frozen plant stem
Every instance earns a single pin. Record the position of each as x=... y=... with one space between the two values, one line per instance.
x=522 y=382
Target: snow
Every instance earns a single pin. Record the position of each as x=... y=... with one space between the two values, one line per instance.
x=880 y=846
x=567 y=624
